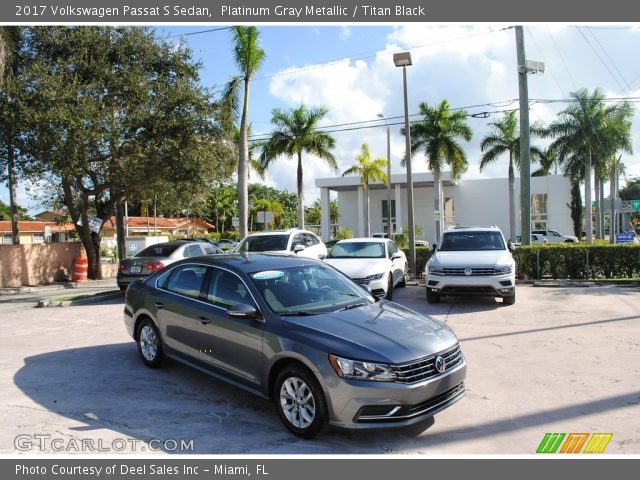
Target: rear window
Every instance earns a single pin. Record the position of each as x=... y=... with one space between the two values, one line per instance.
x=264 y=243
x=471 y=241
x=157 y=251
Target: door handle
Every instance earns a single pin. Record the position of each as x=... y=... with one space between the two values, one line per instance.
x=159 y=305
x=204 y=320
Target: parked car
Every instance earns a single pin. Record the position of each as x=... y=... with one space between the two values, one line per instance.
x=155 y=257
x=555 y=237
x=536 y=238
x=226 y=244
x=298 y=332
x=375 y=263
x=330 y=243
x=421 y=243
x=472 y=261
x=206 y=241
x=295 y=241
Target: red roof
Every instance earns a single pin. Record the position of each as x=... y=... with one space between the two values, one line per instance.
x=28 y=226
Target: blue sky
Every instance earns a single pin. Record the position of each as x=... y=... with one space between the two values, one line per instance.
x=350 y=70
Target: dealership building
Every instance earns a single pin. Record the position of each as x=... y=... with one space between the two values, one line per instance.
x=464 y=203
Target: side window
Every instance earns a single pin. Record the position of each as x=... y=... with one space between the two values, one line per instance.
x=310 y=239
x=210 y=249
x=192 y=251
x=186 y=280
x=297 y=240
x=227 y=290
x=392 y=248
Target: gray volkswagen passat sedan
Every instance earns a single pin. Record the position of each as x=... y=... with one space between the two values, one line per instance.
x=299 y=332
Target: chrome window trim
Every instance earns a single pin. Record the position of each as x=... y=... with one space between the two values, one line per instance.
x=209 y=304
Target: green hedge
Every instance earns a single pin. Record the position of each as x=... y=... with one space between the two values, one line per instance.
x=577 y=261
x=422 y=256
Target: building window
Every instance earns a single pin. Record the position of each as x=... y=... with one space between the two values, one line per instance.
x=37 y=237
x=385 y=216
x=539 y=211
x=7 y=239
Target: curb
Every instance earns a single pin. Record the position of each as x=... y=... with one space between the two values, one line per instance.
x=44 y=303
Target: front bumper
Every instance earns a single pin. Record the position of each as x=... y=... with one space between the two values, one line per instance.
x=489 y=285
x=357 y=404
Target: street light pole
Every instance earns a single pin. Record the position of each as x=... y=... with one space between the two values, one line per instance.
x=404 y=60
x=389 y=231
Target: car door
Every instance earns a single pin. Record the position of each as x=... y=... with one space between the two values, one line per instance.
x=398 y=264
x=180 y=307
x=231 y=344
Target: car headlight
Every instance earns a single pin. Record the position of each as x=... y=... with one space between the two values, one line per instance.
x=435 y=269
x=502 y=269
x=377 y=276
x=377 y=372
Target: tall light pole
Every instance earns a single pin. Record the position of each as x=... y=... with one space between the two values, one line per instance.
x=389 y=231
x=403 y=60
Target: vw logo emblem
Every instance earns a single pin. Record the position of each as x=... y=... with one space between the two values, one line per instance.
x=467 y=271
x=440 y=364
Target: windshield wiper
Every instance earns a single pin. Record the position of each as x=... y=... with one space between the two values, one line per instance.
x=296 y=313
x=353 y=305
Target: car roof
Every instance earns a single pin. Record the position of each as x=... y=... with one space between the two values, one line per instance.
x=364 y=239
x=252 y=261
x=278 y=232
x=473 y=229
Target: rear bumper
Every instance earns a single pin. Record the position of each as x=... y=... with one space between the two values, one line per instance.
x=125 y=279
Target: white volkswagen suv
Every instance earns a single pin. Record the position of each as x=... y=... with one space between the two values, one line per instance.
x=472 y=261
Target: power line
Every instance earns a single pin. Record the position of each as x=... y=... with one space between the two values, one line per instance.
x=198 y=33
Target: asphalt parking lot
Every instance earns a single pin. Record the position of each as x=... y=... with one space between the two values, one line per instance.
x=560 y=360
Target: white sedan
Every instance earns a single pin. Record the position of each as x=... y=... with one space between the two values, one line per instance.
x=376 y=263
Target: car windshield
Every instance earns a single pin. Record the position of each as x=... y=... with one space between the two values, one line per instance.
x=357 y=250
x=263 y=243
x=308 y=290
x=157 y=251
x=471 y=241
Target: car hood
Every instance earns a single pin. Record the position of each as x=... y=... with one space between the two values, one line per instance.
x=360 y=267
x=379 y=332
x=477 y=258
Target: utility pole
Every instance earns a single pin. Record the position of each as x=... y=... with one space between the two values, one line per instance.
x=525 y=161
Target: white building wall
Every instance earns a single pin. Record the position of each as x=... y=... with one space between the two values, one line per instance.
x=476 y=202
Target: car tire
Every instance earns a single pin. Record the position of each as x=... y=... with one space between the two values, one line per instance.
x=389 y=295
x=509 y=300
x=432 y=297
x=149 y=344
x=403 y=282
x=300 y=402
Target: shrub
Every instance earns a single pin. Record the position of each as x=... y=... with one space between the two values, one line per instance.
x=578 y=261
x=422 y=257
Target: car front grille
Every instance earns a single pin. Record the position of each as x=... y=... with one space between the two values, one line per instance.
x=425 y=367
x=478 y=271
x=362 y=281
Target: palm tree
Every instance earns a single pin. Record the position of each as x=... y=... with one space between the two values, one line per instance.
x=10 y=39
x=503 y=138
x=297 y=132
x=436 y=135
x=589 y=131
x=249 y=58
x=369 y=171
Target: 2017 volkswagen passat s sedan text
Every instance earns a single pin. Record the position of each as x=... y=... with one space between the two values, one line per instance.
x=301 y=333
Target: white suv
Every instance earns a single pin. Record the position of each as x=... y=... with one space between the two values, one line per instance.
x=472 y=261
x=295 y=241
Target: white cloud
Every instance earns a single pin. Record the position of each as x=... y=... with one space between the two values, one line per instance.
x=345 y=33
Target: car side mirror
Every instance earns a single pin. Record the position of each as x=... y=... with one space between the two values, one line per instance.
x=434 y=247
x=243 y=310
x=511 y=246
x=298 y=248
x=396 y=255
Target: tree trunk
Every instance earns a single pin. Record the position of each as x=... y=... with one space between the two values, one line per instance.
x=613 y=179
x=596 y=188
x=588 y=221
x=243 y=177
x=120 y=232
x=300 y=193
x=512 y=203
x=601 y=208
x=576 y=208
x=13 y=206
x=436 y=203
x=367 y=226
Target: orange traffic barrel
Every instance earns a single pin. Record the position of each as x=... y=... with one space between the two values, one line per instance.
x=81 y=266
